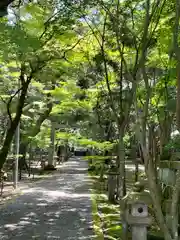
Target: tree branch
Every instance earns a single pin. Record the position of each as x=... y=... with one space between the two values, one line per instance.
x=8 y=103
x=106 y=72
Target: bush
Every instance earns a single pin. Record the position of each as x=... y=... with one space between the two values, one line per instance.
x=172 y=147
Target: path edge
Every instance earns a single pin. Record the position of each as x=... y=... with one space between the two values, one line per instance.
x=96 y=218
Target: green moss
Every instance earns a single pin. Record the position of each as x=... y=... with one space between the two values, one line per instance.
x=96 y=218
x=107 y=215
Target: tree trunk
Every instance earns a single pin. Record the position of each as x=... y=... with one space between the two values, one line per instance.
x=13 y=125
x=155 y=195
x=178 y=97
x=26 y=141
x=149 y=164
x=22 y=160
x=121 y=167
x=66 y=151
x=52 y=145
x=31 y=156
x=102 y=172
x=165 y=131
x=176 y=192
x=134 y=157
x=152 y=184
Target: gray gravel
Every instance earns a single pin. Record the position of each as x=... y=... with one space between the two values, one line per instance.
x=56 y=208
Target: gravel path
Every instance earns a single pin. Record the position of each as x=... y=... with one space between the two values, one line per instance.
x=55 y=208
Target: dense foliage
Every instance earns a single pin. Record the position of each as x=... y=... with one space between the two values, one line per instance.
x=105 y=74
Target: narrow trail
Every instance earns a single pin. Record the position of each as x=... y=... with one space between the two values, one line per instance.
x=56 y=208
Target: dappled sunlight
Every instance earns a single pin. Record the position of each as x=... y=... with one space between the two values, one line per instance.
x=108 y=208
x=66 y=195
x=56 y=208
x=11 y=227
x=131 y=167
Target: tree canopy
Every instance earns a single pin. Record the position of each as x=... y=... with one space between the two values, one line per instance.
x=104 y=72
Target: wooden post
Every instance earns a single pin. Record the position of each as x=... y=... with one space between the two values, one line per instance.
x=111 y=187
x=112 y=180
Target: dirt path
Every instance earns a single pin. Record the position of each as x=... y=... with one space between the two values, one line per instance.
x=56 y=208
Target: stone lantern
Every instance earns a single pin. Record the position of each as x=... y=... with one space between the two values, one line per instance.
x=136 y=212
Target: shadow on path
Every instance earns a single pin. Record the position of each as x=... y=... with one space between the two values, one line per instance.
x=56 y=208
